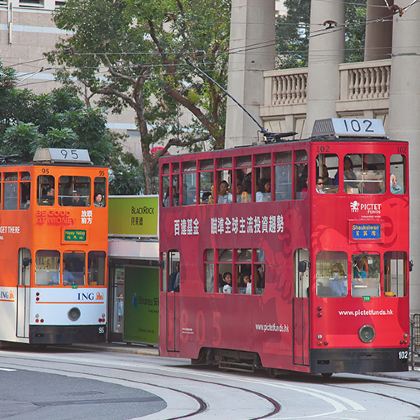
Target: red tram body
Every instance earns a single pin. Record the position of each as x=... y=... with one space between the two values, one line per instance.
x=319 y=266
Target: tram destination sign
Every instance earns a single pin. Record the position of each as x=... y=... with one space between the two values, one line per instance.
x=74 y=235
x=363 y=231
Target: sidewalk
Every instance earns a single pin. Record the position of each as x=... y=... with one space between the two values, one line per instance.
x=146 y=350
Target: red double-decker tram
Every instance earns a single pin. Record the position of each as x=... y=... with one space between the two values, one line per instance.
x=291 y=255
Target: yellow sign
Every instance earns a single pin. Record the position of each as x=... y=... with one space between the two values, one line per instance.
x=133 y=215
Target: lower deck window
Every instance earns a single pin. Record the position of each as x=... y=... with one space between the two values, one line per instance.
x=331 y=274
x=47 y=268
x=73 y=268
x=366 y=275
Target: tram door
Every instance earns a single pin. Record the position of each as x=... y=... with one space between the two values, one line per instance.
x=173 y=284
x=23 y=294
x=301 y=309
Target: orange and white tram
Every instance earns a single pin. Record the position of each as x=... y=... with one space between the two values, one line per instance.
x=53 y=249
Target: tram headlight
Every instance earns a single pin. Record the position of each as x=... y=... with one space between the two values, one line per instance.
x=74 y=314
x=367 y=334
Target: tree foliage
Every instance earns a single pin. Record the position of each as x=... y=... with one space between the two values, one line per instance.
x=60 y=119
x=140 y=54
x=292 y=32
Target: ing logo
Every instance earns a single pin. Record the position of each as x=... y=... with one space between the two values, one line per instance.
x=354 y=206
x=99 y=296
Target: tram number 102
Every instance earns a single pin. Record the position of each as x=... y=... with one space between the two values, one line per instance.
x=403 y=355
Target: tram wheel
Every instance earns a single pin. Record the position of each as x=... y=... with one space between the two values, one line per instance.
x=326 y=374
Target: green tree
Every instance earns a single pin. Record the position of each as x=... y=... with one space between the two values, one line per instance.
x=60 y=119
x=292 y=32
x=136 y=53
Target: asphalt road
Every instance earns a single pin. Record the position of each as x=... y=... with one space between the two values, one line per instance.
x=75 y=384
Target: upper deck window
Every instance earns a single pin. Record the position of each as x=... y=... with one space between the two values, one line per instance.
x=206 y=181
x=224 y=181
x=25 y=190
x=10 y=190
x=301 y=173
x=74 y=191
x=326 y=174
x=99 y=199
x=263 y=178
x=397 y=174
x=283 y=176
x=189 y=183
x=243 y=179
x=45 y=190
x=364 y=174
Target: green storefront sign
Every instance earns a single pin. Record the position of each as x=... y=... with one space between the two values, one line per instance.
x=133 y=216
x=141 y=305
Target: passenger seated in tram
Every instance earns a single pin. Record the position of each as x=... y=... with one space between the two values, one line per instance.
x=48 y=197
x=264 y=191
x=77 y=199
x=226 y=285
x=338 y=280
x=242 y=195
x=349 y=175
x=395 y=188
x=223 y=195
x=302 y=181
x=320 y=185
x=246 y=281
x=360 y=269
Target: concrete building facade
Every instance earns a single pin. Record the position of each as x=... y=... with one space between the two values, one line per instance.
x=385 y=85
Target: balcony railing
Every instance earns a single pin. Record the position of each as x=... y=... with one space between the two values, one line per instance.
x=358 y=81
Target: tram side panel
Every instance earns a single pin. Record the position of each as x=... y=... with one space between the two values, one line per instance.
x=262 y=324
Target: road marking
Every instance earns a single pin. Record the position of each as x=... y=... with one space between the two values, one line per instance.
x=7 y=370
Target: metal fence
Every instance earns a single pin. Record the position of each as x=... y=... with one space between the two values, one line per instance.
x=415 y=338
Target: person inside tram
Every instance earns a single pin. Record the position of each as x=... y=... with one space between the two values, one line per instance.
x=264 y=191
x=76 y=199
x=338 y=280
x=360 y=269
x=320 y=185
x=175 y=279
x=242 y=195
x=349 y=175
x=223 y=195
x=99 y=200
x=302 y=181
x=226 y=285
x=48 y=198
x=246 y=283
x=395 y=188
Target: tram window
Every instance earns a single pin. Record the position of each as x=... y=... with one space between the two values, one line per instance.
x=96 y=268
x=283 y=176
x=175 y=190
x=395 y=274
x=263 y=184
x=24 y=267
x=74 y=268
x=301 y=174
x=74 y=191
x=47 y=268
x=243 y=271
x=206 y=188
x=99 y=192
x=10 y=191
x=243 y=184
x=327 y=173
x=45 y=190
x=165 y=192
x=224 y=182
x=301 y=273
x=25 y=190
x=224 y=269
x=258 y=272
x=331 y=274
x=397 y=177
x=366 y=275
x=364 y=174
x=189 y=184
x=173 y=272
x=1 y=189
x=209 y=270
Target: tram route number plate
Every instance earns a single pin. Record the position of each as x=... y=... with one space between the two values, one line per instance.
x=358 y=127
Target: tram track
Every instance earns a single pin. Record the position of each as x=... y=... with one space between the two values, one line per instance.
x=202 y=405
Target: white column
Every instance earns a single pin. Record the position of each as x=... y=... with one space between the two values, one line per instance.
x=252 y=51
x=378 y=41
x=404 y=119
x=326 y=52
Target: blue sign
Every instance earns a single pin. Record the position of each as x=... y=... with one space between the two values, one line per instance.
x=366 y=231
